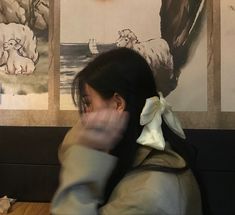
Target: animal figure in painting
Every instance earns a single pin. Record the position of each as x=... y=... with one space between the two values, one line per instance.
x=17 y=64
x=180 y=23
x=27 y=39
x=155 y=51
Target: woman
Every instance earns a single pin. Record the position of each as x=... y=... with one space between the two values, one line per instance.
x=119 y=158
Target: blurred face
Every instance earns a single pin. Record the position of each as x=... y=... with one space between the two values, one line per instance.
x=92 y=100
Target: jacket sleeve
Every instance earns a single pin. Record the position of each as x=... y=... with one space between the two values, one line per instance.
x=84 y=173
x=83 y=176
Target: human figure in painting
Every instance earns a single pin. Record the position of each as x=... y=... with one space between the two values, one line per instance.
x=127 y=154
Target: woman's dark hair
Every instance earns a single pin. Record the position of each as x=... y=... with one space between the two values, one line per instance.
x=125 y=72
x=120 y=70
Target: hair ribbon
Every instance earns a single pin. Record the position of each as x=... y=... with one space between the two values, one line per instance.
x=154 y=110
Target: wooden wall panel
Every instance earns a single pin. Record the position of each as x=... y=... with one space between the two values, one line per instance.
x=30 y=170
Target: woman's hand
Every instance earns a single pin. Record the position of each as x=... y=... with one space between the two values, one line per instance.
x=99 y=130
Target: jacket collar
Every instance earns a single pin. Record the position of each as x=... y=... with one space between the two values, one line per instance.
x=166 y=158
x=141 y=155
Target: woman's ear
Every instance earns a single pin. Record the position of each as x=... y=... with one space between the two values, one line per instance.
x=119 y=102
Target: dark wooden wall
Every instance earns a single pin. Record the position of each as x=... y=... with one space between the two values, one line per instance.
x=29 y=167
x=216 y=168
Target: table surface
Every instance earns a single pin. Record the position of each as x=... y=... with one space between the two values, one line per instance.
x=30 y=208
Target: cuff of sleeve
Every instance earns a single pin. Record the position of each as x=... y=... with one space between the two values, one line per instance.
x=86 y=166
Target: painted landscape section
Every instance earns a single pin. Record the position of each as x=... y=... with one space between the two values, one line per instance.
x=159 y=35
x=73 y=58
x=24 y=54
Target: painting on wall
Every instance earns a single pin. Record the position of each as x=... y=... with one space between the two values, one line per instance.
x=24 y=54
x=227 y=55
x=162 y=32
x=189 y=45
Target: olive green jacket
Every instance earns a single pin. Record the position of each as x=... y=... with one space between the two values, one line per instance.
x=85 y=171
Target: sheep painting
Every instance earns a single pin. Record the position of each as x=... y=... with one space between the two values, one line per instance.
x=169 y=34
x=24 y=54
x=157 y=54
x=17 y=64
x=18 y=49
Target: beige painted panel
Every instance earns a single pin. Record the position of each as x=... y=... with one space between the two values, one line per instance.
x=227 y=55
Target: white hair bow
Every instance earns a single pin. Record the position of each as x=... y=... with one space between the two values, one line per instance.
x=151 y=119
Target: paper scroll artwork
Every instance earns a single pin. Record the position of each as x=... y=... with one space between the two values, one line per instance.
x=24 y=54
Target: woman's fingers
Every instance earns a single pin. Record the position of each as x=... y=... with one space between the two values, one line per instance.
x=99 y=130
x=104 y=128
